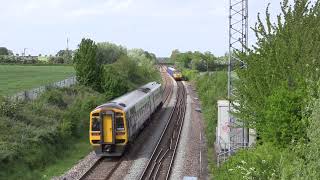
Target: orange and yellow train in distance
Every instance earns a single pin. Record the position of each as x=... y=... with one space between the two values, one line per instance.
x=176 y=74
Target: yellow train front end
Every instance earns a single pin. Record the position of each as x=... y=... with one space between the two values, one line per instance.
x=177 y=76
x=108 y=131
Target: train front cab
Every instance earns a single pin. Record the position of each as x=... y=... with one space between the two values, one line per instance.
x=177 y=76
x=108 y=131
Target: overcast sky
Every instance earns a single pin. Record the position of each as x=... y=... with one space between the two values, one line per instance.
x=159 y=26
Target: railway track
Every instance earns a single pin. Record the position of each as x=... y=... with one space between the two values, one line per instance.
x=161 y=161
x=105 y=167
x=168 y=88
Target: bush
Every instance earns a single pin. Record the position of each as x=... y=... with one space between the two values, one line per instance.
x=272 y=89
x=263 y=162
x=189 y=74
x=39 y=132
x=54 y=97
x=115 y=83
x=211 y=88
x=306 y=153
x=276 y=93
x=300 y=161
x=281 y=120
x=7 y=107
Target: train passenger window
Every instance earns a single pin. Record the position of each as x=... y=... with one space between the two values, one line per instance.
x=95 y=124
x=119 y=123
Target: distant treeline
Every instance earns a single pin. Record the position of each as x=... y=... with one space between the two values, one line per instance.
x=62 y=57
x=198 y=61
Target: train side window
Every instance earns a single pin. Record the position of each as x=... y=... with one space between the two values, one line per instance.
x=119 y=122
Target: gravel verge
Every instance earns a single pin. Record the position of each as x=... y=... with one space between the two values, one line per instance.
x=191 y=157
x=77 y=171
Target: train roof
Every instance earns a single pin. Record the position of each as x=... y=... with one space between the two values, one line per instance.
x=171 y=68
x=128 y=100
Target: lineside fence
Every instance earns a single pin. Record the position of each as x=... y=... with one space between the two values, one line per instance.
x=36 y=92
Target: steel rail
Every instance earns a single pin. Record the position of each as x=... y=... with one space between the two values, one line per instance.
x=156 y=163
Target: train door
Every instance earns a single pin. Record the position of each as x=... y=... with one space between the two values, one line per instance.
x=108 y=128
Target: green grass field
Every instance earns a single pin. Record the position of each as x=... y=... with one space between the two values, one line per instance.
x=16 y=78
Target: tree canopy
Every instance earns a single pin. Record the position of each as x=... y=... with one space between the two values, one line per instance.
x=195 y=60
x=112 y=69
x=108 y=53
x=5 y=51
x=88 y=69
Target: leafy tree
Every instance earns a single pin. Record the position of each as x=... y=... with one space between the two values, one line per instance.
x=4 y=51
x=88 y=70
x=174 y=55
x=141 y=56
x=146 y=62
x=195 y=60
x=10 y=53
x=108 y=53
x=184 y=59
x=66 y=55
x=117 y=77
x=223 y=59
x=109 y=68
x=209 y=60
x=282 y=75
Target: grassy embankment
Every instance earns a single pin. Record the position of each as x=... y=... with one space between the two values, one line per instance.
x=43 y=138
x=46 y=137
x=211 y=88
x=16 y=78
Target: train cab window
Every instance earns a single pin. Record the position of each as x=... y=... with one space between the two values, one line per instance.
x=119 y=122
x=95 y=124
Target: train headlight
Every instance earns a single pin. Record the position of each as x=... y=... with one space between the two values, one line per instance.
x=95 y=124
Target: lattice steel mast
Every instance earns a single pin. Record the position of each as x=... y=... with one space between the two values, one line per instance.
x=238 y=35
x=238 y=42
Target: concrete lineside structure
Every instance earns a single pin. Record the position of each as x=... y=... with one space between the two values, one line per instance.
x=230 y=135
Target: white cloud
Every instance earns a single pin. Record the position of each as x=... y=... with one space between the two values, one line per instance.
x=53 y=11
x=59 y=11
x=160 y=24
x=96 y=9
x=84 y=12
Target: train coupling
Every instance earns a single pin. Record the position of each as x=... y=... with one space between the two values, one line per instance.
x=107 y=148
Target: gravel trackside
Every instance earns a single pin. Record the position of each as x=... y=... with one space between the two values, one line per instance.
x=191 y=157
x=77 y=171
